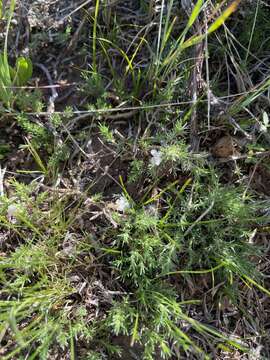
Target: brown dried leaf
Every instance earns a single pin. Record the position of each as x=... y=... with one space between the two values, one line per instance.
x=225 y=147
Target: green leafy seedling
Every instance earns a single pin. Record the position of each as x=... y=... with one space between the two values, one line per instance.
x=5 y=80
x=13 y=76
x=24 y=70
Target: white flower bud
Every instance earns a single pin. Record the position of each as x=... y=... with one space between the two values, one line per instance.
x=156 y=157
x=122 y=204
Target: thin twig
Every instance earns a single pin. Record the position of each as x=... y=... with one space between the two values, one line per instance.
x=259 y=154
x=106 y=110
x=2 y=175
x=92 y=9
x=200 y=218
x=54 y=96
x=196 y=84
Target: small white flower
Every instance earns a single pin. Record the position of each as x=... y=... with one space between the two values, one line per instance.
x=11 y=212
x=156 y=157
x=122 y=204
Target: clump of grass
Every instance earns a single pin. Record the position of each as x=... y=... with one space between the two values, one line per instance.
x=36 y=294
x=203 y=231
x=148 y=249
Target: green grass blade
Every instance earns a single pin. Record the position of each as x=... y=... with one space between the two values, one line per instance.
x=95 y=37
x=195 y=13
x=223 y=17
